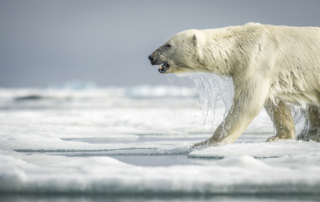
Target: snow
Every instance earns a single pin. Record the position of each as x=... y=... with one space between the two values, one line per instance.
x=242 y=174
x=65 y=140
x=258 y=149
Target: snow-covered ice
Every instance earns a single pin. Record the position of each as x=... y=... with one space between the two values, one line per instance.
x=258 y=149
x=138 y=140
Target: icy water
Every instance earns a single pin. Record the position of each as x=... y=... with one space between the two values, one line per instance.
x=134 y=144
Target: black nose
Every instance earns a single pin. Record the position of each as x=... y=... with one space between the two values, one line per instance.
x=150 y=58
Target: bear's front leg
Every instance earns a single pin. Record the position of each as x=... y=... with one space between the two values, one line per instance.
x=281 y=117
x=249 y=99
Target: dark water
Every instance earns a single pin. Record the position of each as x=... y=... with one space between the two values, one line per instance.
x=151 y=157
x=156 y=198
x=141 y=156
x=154 y=156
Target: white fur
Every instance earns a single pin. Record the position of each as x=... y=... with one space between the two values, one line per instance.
x=265 y=62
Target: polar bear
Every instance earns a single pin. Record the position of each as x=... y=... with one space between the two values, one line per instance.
x=270 y=66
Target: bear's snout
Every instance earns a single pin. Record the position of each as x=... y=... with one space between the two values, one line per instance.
x=150 y=58
x=153 y=59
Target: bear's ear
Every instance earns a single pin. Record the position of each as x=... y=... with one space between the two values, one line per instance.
x=199 y=41
x=194 y=39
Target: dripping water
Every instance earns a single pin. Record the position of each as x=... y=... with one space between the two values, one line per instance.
x=212 y=89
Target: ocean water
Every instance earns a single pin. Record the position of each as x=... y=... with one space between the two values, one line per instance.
x=84 y=143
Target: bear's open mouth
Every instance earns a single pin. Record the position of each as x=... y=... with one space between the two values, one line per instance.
x=163 y=67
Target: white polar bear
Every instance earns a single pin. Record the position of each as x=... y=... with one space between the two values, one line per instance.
x=269 y=65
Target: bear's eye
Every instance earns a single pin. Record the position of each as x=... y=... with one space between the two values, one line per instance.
x=168 y=45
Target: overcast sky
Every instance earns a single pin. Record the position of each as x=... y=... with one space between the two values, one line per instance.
x=45 y=42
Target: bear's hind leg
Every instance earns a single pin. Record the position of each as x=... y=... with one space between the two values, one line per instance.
x=313 y=132
x=281 y=117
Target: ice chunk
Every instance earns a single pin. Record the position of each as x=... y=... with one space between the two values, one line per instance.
x=241 y=161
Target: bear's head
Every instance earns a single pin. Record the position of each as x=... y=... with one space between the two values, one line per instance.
x=181 y=54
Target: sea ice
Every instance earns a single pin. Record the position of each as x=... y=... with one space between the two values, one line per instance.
x=68 y=141
x=258 y=149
